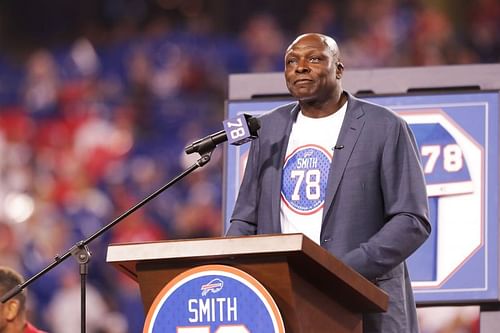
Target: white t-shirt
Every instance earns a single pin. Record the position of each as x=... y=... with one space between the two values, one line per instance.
x=305 y=172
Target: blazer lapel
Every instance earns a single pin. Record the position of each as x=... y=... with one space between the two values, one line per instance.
x=349 y=134
x=282 y=132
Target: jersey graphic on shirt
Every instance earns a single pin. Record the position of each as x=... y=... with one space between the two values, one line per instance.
x=305 y=174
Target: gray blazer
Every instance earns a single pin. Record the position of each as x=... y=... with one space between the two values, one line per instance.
x=375 y=212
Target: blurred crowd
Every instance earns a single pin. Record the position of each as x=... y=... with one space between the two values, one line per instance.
x=90 y=127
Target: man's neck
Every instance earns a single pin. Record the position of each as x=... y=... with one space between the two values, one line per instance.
x=320 y=109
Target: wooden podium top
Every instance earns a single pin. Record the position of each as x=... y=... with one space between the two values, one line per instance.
x=308 y=258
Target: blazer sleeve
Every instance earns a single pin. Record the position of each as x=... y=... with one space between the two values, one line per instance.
x=244 y=218
x=405 y=207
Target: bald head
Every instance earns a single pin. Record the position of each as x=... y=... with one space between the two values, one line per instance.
x=328 y=41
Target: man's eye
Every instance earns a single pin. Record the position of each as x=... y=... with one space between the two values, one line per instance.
x=314 y=59
x=291 y=61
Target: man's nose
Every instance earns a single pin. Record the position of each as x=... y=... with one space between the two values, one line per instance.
x=302 y=67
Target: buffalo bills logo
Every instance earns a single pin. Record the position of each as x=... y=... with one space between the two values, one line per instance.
x=213 y=286
x=308 y=154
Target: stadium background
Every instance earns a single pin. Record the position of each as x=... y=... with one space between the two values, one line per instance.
x=98 y=99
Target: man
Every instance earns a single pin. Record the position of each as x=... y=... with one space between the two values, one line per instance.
x=344 y=172
x=13 y=312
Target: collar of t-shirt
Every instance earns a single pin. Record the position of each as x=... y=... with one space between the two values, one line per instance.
x=319 y=128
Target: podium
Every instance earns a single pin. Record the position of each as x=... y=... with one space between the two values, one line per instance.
x=314 y=291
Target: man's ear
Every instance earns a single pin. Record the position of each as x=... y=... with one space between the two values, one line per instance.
x=11 y=309
x=339 y=69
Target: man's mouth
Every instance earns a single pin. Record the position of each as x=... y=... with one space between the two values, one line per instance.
x=302 y=81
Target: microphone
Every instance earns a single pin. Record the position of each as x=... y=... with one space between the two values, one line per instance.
x=237 y=131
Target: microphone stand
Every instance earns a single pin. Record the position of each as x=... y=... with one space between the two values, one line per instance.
x=80 y=250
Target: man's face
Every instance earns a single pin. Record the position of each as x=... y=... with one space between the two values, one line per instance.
x=310 y=69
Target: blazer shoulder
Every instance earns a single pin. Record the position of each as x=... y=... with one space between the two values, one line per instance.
x=279 y=115
x=280 y=111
